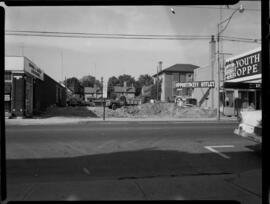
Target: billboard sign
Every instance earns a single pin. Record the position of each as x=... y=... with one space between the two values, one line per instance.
x=195 y=84
x=241 y=67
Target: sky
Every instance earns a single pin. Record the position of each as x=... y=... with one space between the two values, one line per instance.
x=77 y=57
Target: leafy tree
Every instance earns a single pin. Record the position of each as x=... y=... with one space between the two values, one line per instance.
x=113 y=81
x=90 y=81
x=145 y=80
x=126 y=78
x=74 y=85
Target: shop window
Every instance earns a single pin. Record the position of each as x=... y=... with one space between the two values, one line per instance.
x=244 y=99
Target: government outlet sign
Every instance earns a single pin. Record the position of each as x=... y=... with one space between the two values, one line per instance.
x=243 y=67
x=195 y=84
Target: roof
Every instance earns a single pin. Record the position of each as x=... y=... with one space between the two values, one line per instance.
x=121 y=89
x=91 y=90
x=178 y=68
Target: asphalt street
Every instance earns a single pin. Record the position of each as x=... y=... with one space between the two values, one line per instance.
x=96 y=151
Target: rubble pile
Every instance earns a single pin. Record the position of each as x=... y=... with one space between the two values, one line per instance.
x=150 y=110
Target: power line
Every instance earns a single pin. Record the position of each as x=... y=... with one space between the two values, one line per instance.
x=206 y=7
x=103 y=34
x=125 y=36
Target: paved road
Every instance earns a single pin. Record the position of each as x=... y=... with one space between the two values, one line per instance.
x=126 y=150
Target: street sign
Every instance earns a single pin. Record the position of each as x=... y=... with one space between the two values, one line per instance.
x=195 y=84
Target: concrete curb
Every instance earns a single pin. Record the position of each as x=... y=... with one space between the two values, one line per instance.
x=75 y=120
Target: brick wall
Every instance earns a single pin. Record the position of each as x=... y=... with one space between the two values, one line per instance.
x=46 y=94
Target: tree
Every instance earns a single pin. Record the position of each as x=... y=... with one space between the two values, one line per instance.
x=126 y=78
x=90 y=81
x=145 y=80
x=113 y=81
x=74 y=85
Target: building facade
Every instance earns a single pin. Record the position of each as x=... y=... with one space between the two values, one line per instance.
x=91 y=93
x=169 y=78
x=127 y=91
x=207 y=97
x=242 y=82
x=28 y=90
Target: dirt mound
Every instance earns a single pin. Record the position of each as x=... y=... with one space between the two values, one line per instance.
x=155 y=110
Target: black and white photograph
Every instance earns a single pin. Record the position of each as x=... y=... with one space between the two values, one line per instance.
x=133 y=102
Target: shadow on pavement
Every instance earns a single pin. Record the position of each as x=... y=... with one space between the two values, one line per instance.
x=146 y=163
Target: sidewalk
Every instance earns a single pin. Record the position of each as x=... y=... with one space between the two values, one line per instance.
x=245 y=188
x=74 y=120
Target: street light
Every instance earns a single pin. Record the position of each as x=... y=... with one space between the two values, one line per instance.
x=241 y=10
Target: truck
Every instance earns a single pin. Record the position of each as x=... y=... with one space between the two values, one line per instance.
x=121 y=101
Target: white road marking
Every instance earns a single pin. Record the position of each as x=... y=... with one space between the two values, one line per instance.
x=211 y=148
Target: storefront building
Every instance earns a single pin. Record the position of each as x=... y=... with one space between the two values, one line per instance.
x=242 y=82
x=28 y=90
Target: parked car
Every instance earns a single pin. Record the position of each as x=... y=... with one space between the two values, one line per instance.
x=250 y=125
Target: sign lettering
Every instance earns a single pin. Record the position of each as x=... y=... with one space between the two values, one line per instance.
x=34 y=71
x=196 y=84
x=248 y=65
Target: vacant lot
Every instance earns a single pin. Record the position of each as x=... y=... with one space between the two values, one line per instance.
x=148 y=110
x=155 y=110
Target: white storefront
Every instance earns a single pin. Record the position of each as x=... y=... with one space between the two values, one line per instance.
x=242 y=82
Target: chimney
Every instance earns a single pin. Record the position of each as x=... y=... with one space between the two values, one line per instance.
x=159 y=66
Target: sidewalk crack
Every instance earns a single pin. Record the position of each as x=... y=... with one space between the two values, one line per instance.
x=243 y=188
x=141 y=190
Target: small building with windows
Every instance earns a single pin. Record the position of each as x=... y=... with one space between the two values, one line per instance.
x=28 y=89
x=92 y=93
x=127 y=91
x=172 y=75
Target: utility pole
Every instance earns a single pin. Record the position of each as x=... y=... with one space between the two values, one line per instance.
x=241 y=10
x=157 y=83
x=102 y=98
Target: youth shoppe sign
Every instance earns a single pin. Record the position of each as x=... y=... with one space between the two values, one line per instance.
x=244 y=67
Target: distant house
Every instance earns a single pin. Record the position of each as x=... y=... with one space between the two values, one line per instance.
x=91 y=93
x=128 y=92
